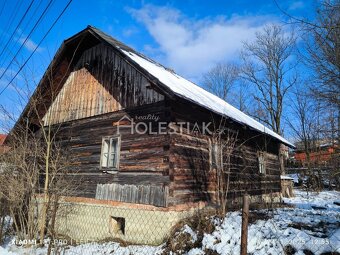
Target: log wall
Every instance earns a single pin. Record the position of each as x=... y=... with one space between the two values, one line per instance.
x=192 y=174
x=178 y=162
x=143 y=157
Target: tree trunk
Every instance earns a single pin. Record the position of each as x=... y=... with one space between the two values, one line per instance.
x=46 y=195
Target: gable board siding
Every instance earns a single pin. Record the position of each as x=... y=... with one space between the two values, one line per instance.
x=101 y=82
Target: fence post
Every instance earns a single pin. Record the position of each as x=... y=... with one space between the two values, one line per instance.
x=244 y=233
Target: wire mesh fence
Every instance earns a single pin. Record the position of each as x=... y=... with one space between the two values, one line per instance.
x=128 y=223
x=295 y=227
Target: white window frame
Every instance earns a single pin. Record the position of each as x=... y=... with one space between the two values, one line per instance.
x=105 y=160
x=262 y=162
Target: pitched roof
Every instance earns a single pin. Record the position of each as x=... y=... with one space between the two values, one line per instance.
x=187 y=89
x=167 y=80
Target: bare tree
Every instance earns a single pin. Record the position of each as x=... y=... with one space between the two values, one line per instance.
x=37 y=164
x=323 y=47
x=55 y=160
x=220 y=80
x=223 y=80
x=322 y=41
x=223 y=145
x=268 y=65
x=304 y=124
x=23 y=167
x=20 y=170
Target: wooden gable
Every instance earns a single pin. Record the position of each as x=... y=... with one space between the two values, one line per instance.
x=100 y=82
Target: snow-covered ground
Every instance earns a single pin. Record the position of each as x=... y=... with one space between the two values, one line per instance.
x=86 y=249
x=311 y=223
x=275 y=235
x=308 y=200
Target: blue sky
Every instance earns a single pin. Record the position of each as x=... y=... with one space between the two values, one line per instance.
x=187 y=36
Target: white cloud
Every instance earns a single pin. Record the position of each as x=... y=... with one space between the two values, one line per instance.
x=29 y=44
x=191 y=46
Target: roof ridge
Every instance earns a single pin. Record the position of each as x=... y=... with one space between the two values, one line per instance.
x=99 y=32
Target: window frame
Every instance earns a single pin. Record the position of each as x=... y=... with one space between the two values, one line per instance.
x=262 y=162
x=117 y=154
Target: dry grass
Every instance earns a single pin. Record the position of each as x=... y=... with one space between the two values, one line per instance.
x=257 y=215
x=181 y=242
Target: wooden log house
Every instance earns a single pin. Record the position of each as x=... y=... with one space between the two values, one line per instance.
x=93 y=91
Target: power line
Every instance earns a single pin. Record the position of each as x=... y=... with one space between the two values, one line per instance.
x=26 y=39
x=9 y=51
x=3 y=6
x=46 y=34
x=21 y=20
x=11 y=19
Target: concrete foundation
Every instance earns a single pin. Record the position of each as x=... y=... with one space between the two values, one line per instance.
x=138 y=224
x=83 y=220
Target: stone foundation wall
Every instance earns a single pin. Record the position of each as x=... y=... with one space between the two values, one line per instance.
x=86 y=220
x=137 y=224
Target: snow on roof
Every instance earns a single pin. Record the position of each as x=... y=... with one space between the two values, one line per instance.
x=190 y=91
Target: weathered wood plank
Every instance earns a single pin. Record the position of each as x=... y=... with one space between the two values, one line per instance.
x=100 y=83
x=140 y=194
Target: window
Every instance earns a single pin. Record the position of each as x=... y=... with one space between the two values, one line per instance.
x=110 y=152
x=262 y=162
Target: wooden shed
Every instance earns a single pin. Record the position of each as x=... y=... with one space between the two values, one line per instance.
x=134 y=128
